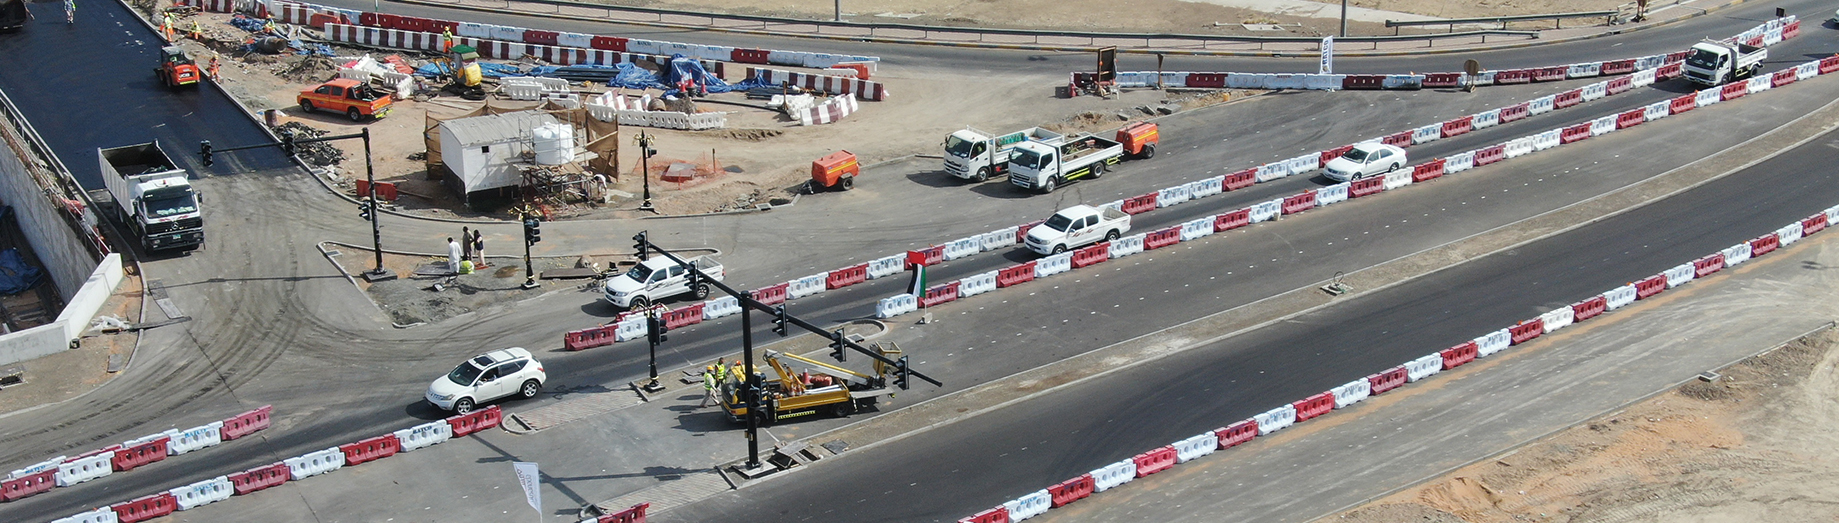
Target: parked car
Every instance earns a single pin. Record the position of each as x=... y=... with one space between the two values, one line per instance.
x=488 y=377
x=1365 y=160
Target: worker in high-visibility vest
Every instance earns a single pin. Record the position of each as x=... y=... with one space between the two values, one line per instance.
x=212 y=68
x=721 y=370
x=709 y=384
x=166 y=27
x=446 y=39
x=197 y=33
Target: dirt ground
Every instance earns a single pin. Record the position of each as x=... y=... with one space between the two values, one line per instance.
x=67 y=374
x=1157 y=16
x=1754 y=445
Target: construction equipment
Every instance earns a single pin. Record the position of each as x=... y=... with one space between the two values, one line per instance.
x=461 y=66
x=836 y=170
x=177 y=68
x=797 y=394
x=13 y=15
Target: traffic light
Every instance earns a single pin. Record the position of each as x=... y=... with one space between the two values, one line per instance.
x=642 y=246
x=838 y=349
x=655 y=329
x=779 y=320
x=365 y=208
x=901 y=373
x=204 y=150
x=533 y=231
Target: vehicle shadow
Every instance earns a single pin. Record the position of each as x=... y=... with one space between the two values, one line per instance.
x=937 y=178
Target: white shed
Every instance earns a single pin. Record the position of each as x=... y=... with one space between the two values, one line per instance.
x=480 y=151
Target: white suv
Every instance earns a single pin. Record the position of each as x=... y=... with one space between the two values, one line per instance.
x=488 y=377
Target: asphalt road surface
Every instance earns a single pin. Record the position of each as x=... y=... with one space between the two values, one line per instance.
x=274 y=324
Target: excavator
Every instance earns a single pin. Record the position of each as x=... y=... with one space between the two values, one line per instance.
x=461 y=65
x=797 y=394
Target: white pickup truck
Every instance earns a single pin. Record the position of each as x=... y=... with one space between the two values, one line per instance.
x=1075 y=227
x=658 y=278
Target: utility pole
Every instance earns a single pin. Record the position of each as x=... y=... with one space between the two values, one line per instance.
x=366 y=204
x=1344 y=18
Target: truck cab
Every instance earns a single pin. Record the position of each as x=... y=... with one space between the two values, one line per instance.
x=658 y=278
x=344 y=95
x=976 y=155
x=1717 y=63
x=1075 y=227
x=152 y=196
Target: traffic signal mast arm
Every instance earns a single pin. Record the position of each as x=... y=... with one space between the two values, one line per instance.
x=747 y=300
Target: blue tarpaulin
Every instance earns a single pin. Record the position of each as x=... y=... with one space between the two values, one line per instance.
x=488 y=70
x=16 y=276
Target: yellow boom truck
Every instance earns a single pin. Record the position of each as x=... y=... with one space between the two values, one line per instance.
x=797 y=394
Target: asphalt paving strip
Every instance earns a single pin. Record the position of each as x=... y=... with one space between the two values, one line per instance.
x=787 y=491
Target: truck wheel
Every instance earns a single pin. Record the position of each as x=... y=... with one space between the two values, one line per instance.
x=638 y=303
x=306 y=106
x=701 y=292
x=844 y=409
x=1149 y=151
x=848 y=182
x=1098 y=170
x=1059 y=248
x=983 y=174
x=1047 y=186
x=1111 y=236
x=354 y=115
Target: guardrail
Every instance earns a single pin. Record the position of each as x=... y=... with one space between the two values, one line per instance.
x=1556 y=18
x=990 y=37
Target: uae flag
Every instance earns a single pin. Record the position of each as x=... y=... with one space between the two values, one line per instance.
x=916 y=261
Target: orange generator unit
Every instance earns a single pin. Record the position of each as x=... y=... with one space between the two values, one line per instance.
x=1139 y=139
x=836 y=171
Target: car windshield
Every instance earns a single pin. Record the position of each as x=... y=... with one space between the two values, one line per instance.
x=1058 y=222
x=1704 y=59
x=464 y=374
x=958 y=147
x=1355 y=155
x=639 y=273
x=161 y=206
x=1025 y=158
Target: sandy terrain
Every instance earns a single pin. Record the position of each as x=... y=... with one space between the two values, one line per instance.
x=1170 y=16
x=1755 y=445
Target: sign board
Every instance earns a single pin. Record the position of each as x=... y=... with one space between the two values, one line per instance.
x=1107 y=64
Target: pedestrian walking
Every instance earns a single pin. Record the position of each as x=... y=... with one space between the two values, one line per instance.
x=165 y=25
x=466 y=244
x=70 y=11
x=709 y=383
x=721 y=370
x=479 y=248
x=453 y=255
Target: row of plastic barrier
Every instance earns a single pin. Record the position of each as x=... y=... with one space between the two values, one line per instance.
x=1557 y=318
x=1126 y=246
x=834 y=85
x=807 y=286
x=1052 y=265
x=631 y=328
x=1490 y=343
x=1275 y=419
x=424 y=435
x=720 y=307
x=658 y=119
x=978 y=284
x=1171 y=196
x=1351 y=393
x=896 y=305
x=962 y=248
x=202 y=493
x=1459 y=355
x=1031 y=505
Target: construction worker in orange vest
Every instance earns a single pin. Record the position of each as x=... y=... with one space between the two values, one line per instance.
x=212 y=68
x=446 y=39
x=166 y=27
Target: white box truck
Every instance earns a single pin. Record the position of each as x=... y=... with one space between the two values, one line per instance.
x=1716 y=63
x=152 y=196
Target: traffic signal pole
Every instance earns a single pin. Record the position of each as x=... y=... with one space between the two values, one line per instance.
x=750 y=394
x=370 y=212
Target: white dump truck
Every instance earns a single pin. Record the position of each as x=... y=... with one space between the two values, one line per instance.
x=1075 y=227
x=976 y=155
x=152 y=196
x=658 y=278
x=1716 y=63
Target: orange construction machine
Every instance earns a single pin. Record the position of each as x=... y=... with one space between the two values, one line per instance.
x=838 y=170
x=176 y=68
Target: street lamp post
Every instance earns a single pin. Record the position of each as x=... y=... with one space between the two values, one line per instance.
x=1344 y=18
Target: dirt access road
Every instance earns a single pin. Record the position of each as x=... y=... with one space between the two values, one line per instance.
x=1754 y=445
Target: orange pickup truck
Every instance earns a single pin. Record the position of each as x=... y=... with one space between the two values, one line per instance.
x=356 y=99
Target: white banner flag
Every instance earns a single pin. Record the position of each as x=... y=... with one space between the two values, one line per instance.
x=1328 y=55
x=527 y=476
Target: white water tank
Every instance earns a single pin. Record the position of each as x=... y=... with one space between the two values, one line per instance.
x=555 y=143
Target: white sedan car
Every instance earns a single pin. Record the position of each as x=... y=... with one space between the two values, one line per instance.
x=1365 y=160
x=488 y=377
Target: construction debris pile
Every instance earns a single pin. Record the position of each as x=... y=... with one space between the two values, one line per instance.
x=316 y=153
